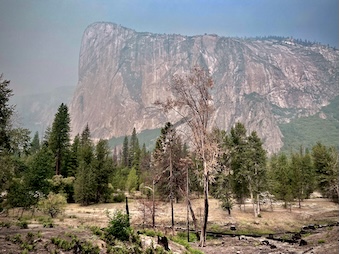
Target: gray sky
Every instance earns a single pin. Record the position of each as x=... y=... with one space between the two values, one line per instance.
x=40 y=39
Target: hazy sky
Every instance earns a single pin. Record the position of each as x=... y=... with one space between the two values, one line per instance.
x=40 y=39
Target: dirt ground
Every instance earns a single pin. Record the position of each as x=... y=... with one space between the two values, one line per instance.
x=76 y=220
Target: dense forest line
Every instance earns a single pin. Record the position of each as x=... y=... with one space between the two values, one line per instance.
x=54 y=169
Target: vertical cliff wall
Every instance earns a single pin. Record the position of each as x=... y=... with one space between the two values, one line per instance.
x=258 y=82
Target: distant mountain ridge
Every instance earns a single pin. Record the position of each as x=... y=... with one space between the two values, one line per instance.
x=260 y=82
x=36 y=111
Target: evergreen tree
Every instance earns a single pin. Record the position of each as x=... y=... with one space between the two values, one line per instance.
x=6 y=112
x=255 y=169
x=167 y=155
x=86 y=152
x=47 y=134
x=237 y=143
x=281 y=178
x=167 y=165
x=302 y=175
x=20 y=141
x=134 y=150
x=145 y=167
x=59 y=139
x=103 y=169
x=132 y=180
x=125 y=155
x=85 y=184
x=74 y=156
x=41 y=168
x=308 y=174
x=247 y=160
x=35 y=144
x=134 y=155
x=326 y=168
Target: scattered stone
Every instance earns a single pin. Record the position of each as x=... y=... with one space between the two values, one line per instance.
x=311 y=226
x=302 y=242
x=296 y=236
x=265 y=242
x=163 y=241
x=242 y=237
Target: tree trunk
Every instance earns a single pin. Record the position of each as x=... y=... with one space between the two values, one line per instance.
x=171 y=191
x=258 y=204
x=253 y=203
x=299 y=201
x=187 y=203
x=153 y=208
x=195 y=221
x=205 y=219
x=127 y=210
x=57 y=164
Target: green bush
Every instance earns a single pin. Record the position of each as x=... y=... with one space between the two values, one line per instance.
x=5 y=224
x=46 y=222
x=97 y=231
x=119 y=226
x=22 y=224
x=119 y=197
x=53 y=204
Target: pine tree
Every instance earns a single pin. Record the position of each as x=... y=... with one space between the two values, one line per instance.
x=20 y=141
x=6 y=112
x=237 y=144
x=59 y=139
x=41 y=169
x=134 y=156
x=256 y=169
x=326 y=169
x=86 y=146
x=281 y=178
x=125 y=153
x=35 y=144
x=102 y=166
x=74 y=156
x=167 y=155
x=85 y=184
x=145 y=167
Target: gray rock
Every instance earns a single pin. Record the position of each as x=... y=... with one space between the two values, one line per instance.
x=260 y=83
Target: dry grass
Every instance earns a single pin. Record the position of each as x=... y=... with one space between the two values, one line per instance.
x=76 y=219
x=280 y=219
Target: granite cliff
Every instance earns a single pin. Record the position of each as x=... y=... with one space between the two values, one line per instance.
x=260 y=82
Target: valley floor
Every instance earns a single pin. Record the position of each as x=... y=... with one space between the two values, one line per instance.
x=279 y=222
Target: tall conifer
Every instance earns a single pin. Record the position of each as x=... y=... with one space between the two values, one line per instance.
x=59 y=139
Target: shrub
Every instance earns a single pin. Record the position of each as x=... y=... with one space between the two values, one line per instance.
x=5 y=224
x=119 y=197
x=53 y=204
x=22 y=224
x=97 y=231
x=119 y=226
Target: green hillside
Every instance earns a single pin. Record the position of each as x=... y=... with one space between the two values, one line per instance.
x=307 y=131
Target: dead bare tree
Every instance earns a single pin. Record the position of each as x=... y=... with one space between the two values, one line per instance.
x=193 y=101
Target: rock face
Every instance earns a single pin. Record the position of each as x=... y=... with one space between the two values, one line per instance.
x=258 y=82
